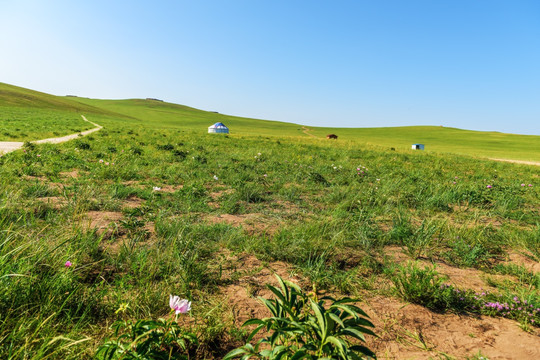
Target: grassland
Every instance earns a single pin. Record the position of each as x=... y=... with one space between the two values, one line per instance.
x=440 y=140
x=55 y=116
x=143 y=209
x=27 y=115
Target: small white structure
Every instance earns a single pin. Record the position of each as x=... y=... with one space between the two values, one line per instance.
x=218 y=127
x=418 y=146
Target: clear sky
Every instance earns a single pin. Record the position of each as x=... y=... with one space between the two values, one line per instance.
x=467 y=64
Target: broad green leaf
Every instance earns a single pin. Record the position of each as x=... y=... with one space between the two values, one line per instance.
x=234 y=353
x=320 y=318
x=342 y=347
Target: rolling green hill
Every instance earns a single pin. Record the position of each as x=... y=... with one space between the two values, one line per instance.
x=30 y=115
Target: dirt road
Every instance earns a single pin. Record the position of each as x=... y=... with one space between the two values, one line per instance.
x=518 y=161
x=306 y=131
x=9 y=146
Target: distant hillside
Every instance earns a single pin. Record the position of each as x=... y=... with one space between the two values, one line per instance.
x=14 y=96
x=168 y=115
x=23 y=108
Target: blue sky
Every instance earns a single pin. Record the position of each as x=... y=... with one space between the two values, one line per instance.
x=466 y=64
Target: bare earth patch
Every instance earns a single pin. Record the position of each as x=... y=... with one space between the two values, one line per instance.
x=525 y=261
x=463 y=278
x=102 y=219
x=57 y=202
x=406 y=331
x=170 y=188
x=252 y=223
x=132 y=202
x=409 y=331
x=74 y=174
x=37 y=178
x=242 y=294
x=217 y=194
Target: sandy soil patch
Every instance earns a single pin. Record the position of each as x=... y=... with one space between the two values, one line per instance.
x=56 y=202
x=74 y=174
x=36 y=178
x=525 y=261
x=406 y=331
x=132 y=202
x=462 y=278
x=409 y=331
x=242 y=294
x=170 y=188
x=252 y=223
x=218 y=194
x=103 y=219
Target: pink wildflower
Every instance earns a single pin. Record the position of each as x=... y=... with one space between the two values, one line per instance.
x=180 y=306
x=68 y=264
x=489 y=186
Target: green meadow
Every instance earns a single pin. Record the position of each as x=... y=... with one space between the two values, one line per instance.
x=102 y=229
x=56 y=116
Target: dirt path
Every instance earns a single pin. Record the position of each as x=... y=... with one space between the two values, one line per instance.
x=518 y=161
x=306 y=131
x=9 y=146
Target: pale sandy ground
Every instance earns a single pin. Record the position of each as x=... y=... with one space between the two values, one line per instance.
x=518 y=161
x=9 y=146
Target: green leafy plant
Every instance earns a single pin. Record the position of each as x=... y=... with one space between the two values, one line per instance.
x=150 y=339
x=302 y=327
x=147 y=339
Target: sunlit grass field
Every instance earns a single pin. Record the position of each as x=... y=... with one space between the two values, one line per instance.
x=437 y=139
x=151 y=206
x=15 y=124
x=61 y=115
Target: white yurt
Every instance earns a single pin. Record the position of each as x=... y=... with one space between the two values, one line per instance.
x=218 y=127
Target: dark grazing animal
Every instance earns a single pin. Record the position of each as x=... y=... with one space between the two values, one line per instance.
x=331 y=136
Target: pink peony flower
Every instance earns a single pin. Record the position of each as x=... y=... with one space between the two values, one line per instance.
x=180 y=306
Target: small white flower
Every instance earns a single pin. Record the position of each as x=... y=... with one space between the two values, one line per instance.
x=156 y=188
x=215 y=177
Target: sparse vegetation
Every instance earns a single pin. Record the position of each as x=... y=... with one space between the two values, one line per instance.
x=141 y=211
